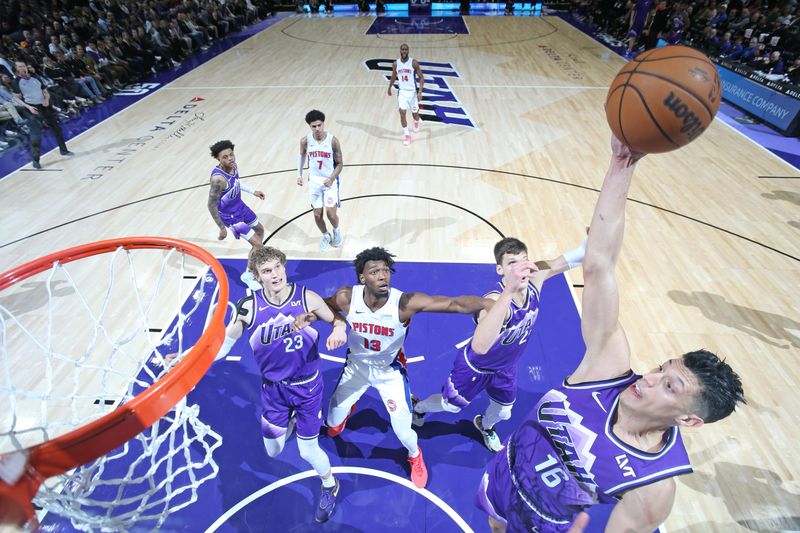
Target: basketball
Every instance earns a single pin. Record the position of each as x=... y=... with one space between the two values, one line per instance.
x=663 y=99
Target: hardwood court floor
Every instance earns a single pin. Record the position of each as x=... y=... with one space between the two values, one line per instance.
x=711 y=255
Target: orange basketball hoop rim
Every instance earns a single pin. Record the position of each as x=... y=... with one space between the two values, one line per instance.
x=107 y=433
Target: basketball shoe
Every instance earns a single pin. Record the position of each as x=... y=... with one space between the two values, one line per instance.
x=490 y=438
x=327 y=502
x=337 y=237
x=419 y=472
x=416 y=126
x=406 y=140
x=325 y=243
x=334 y=431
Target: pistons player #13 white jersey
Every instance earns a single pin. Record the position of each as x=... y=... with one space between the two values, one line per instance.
x=405 y=75
x=375 y=337
x=320 y=156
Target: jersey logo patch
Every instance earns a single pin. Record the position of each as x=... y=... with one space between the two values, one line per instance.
x=595 y=395
x=391 y=405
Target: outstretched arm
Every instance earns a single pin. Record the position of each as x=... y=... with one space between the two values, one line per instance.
x=319 y=309
x=218 y=185
x=415 y=302
x=490 y=324
x=607 y=350
x=242 y=319
x=562 y=263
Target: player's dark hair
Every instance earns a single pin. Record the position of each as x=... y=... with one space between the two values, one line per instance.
x=314 y=115
x=262 y=254
x=219 y=146
x=721 y=387
x=372 y=254
x=509 y=245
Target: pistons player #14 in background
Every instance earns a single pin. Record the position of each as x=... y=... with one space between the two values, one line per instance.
x=439 y=102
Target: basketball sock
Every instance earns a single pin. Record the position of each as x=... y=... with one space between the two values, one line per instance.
x=495 y=413
x=431 y=404
x=405 y=131
x=313 y=455
x=401 y=424
x=415 y=454
x=329 y=482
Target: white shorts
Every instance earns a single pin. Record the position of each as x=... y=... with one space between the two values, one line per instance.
x=322 y=196
x=390 y=381
x=407 y=100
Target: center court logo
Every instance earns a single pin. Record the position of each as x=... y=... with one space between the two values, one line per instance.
x=439 y=103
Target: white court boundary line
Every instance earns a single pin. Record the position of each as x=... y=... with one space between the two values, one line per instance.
x=449 y=511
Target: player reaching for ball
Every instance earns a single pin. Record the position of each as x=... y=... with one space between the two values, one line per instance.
x=606 y=435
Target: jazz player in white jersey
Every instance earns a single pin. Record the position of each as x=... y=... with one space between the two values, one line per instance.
x=378 y=316
x=324 y=166
x=409 y=91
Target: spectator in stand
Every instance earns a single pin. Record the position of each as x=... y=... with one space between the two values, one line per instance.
x=770 y=64
x=75 y=73
x=726 y=46
x=90 y=67
x=658 y=23
x=746 y=54
x=63 y=91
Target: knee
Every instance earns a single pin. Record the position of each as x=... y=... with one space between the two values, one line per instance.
x=318 y=214
x=307 y=449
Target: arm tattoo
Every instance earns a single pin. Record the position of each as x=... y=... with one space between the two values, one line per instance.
x=213 y=200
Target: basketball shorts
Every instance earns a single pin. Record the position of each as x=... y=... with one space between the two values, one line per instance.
x=390 y=381
x=466 y=381
x=242 y=218
x=322 y=196
x=303 y=397
x=407 y=100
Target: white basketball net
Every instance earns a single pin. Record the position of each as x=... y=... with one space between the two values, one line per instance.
x=85 y=337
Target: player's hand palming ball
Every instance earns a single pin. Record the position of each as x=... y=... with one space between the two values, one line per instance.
x=663 y=99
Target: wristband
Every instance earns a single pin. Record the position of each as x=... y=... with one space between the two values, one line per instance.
x=575 y=256
x=226 y=347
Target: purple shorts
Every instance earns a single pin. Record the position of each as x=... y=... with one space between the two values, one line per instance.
x=301 y=397
x=466 y=381
x=242 y=214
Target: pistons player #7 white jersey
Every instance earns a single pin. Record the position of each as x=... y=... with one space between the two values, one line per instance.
x=375 y=337
x=320 y=156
